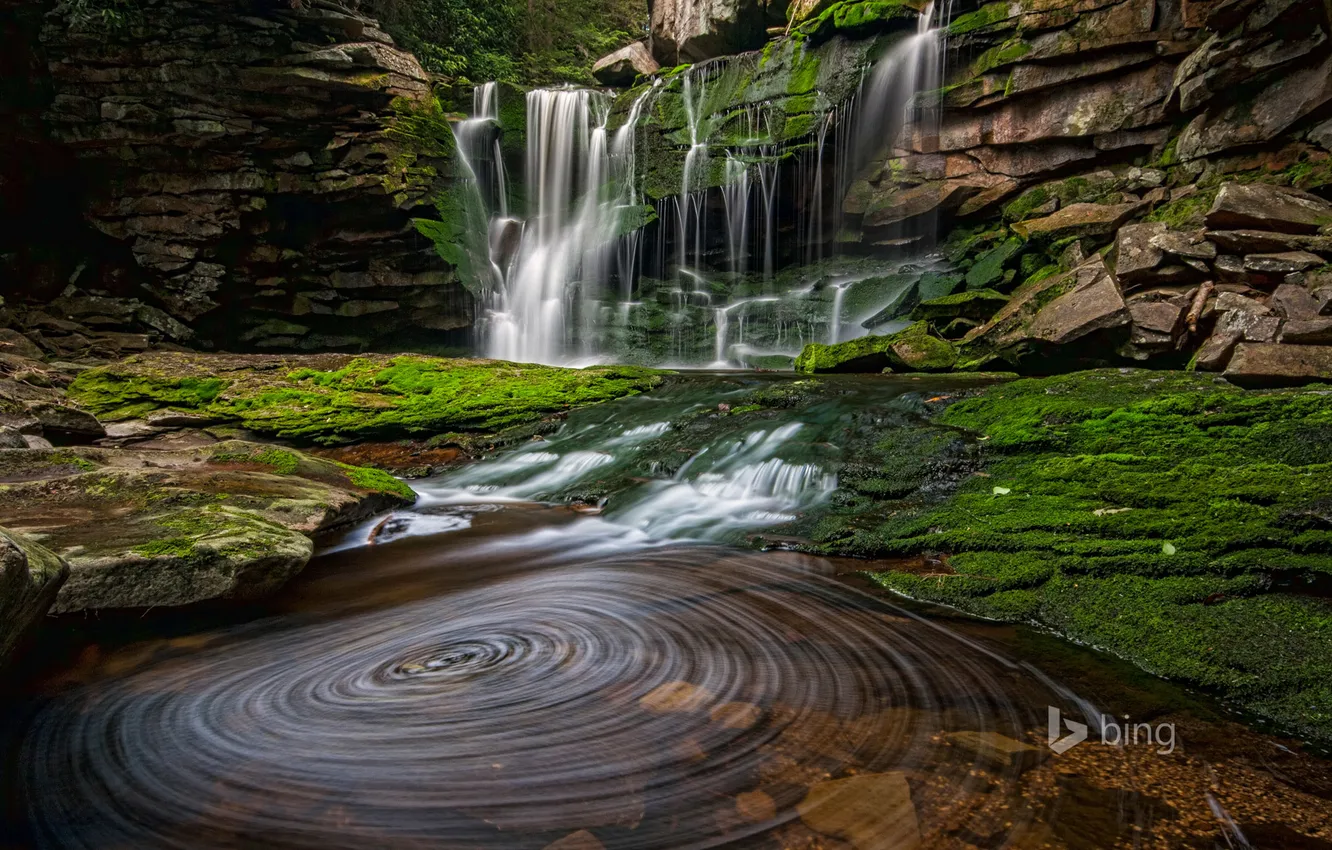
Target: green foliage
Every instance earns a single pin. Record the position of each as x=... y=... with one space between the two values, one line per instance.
x=98 y=15
x=465 y=39
x=537 y=42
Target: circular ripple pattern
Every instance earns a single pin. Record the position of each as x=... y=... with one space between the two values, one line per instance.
x=638 y=698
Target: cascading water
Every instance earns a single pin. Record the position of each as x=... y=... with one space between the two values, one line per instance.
x=548 y=270
x=565 y=284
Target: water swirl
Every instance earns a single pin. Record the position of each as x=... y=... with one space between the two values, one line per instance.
x=670 y=698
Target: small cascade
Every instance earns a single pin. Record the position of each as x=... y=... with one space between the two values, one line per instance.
x=835 y=326
x=764 y=474
x=889 y=102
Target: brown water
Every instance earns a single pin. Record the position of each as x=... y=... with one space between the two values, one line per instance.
x=514 y=683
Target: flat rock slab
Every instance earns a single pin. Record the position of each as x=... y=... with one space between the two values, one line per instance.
x=1270 y=365
x=163 y=528
x=998 y=752
x=1258 y=206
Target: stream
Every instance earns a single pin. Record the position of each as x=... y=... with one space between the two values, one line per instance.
x=513 y=663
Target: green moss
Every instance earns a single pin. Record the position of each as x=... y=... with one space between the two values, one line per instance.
x=914 y=349
x=1157 y=515
x=990 y=13
x=1186 y=212
x=805 y=75
x=370 y=396
x=376 y=480
x=173 y=547
x=990 y=266
x=1004 y=54
x=1025 y=204
x=978 y=304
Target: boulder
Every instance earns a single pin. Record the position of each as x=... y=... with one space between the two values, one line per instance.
x=1052 y=312
x=1312 y=331
x=1160 y=317
x=625 y=65
x=12 y=438
x=162 y=528
x=977 y=305
x=1186 y=245
x=914 y=349
x=1267 y=365
x=1293 y=302
x=1287 y=262
x=1259 y=206
x=1135 y=256
x=30 y=577
x=1077 y=220
x=1094 y=306
x=688 y=31
x=1235 y=326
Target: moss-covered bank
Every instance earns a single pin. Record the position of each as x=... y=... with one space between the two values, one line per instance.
x=332 y=399
x=1169 y=518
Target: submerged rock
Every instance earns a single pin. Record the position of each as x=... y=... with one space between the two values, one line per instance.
x=164 y=528
x=30 y=577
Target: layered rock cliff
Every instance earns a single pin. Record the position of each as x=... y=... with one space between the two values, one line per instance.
x=249 y=171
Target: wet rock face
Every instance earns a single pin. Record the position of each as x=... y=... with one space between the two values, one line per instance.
x=246 y=161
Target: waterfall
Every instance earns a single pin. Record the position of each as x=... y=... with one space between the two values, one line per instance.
x=889 y=102
x=580 y=184
x=564 y=275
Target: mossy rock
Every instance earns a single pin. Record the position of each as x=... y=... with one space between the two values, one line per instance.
x=990 y=266
x=1170 y=518
x=977 y=305
x=332 y=399
x=30 y=577
x=161 y=528
x=914 y=349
